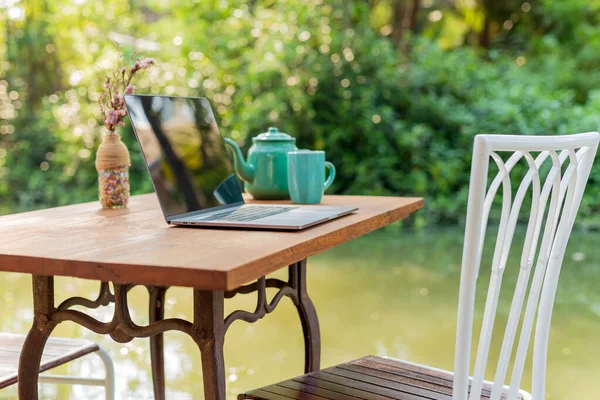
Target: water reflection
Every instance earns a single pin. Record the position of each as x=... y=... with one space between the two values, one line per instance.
x=389 y=293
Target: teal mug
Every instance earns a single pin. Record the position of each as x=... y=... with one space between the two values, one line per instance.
x=306 y=176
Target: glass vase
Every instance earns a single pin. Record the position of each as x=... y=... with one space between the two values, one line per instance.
x=112 y=164
x=113 y=187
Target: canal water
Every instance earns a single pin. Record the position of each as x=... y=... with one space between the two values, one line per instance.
x=391 y=293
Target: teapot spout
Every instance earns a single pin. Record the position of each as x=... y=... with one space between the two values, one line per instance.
x=242 y=168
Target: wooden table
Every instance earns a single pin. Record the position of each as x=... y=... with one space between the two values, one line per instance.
x=135 y=246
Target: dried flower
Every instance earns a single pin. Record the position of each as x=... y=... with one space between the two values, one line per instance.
x=147 y=63
x=116 y=86
x=111 y=117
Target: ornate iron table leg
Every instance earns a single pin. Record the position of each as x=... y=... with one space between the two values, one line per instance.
x=31 y=353
x=209 y=335
x=207 y=329
x=295 y=289
x=157 y=312
x=308 y=318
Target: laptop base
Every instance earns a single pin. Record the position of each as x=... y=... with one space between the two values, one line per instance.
x=297 y=218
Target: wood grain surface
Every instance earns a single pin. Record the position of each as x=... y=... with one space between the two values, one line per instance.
x=369 y=378
x=135 y=245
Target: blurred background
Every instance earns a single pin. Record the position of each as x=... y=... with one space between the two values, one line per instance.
x=392 y=90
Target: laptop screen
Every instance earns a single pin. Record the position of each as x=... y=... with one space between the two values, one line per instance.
x=184 y=152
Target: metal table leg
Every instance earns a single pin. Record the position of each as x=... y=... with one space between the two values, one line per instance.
x=295 y=289
x=31 y=353
x=309 y=321
x=156 y=313
x=207 y=328
x=208 y=319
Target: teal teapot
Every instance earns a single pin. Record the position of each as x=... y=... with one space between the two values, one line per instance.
x=265 y=173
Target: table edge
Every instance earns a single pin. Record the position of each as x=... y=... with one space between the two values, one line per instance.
x=221 y=280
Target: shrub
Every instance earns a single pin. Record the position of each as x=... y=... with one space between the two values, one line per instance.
x=392 y=124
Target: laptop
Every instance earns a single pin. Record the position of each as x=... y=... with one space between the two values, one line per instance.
x=192 y=171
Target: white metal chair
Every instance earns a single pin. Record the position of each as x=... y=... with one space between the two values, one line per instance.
x=555 y=199
x=57 y=351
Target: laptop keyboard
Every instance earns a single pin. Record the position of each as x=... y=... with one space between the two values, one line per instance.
x=247 y=213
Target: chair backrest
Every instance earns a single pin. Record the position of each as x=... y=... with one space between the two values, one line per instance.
x=555 y=199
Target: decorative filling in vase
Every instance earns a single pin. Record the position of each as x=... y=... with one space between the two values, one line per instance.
x=112 y=163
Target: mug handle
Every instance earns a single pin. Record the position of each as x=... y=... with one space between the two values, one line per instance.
x=331 y=169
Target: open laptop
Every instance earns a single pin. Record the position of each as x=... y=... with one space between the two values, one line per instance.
x=192 y=172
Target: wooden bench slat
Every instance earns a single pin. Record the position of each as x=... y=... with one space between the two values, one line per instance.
x=340 y=388
x=404 y=369
x=369 y=378
x=433 y=378
x=57 y=351
x=264 y=395
x=441 y=378
x=293 y=393
x=400 y=379
x=366 y=386
x=403 y=390
x=328 y=394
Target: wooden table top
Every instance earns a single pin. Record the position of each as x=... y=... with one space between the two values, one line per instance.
x=135 y=245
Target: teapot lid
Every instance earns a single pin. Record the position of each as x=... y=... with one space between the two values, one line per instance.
x=273 y=135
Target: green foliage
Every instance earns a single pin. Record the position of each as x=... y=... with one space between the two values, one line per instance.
x=430 y=112
x=393 y=123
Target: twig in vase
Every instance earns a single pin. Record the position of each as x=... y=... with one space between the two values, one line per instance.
x=116 y=86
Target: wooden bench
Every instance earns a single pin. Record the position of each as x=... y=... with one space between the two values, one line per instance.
x=369 y=378
x=58 y=351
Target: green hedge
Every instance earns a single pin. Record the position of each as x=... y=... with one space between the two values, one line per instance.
x=430 y=108
x=392 y=124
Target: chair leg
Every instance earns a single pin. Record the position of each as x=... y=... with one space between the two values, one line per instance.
x=108 y=382
x=109 y=379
